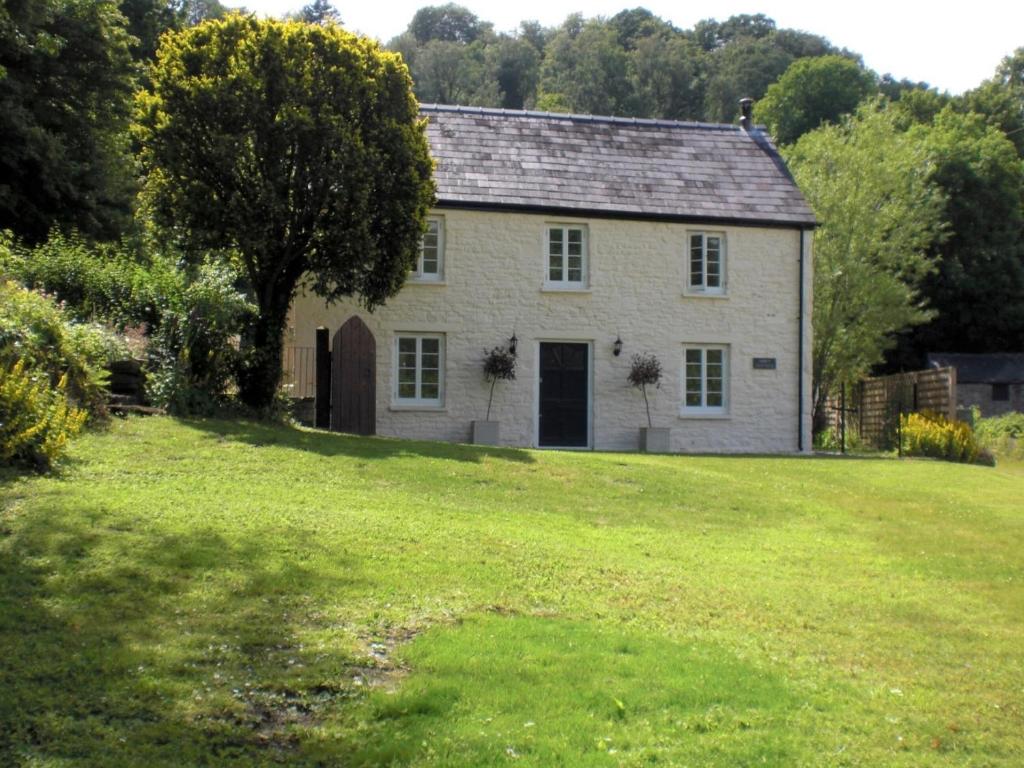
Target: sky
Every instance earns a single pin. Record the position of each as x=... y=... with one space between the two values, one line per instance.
x=952 y=46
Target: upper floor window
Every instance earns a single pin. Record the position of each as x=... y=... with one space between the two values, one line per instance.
x=430 y=263
x=706 y=371
x=566 y=261
x=706 y=267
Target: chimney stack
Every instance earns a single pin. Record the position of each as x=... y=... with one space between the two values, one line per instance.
x=746 y=107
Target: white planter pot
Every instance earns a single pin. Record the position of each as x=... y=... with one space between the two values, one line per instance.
x=655 y=440
x=486 y=432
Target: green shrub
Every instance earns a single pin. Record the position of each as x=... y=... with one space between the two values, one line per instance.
x=193 y=351
x=1002 y=435
x=110 y=282
x=829 y=440
x=34 y=329
x=36 y=420
x=192 y=315
x=932 y=434
x=994 y=427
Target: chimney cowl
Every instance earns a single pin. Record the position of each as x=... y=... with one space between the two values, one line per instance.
x=746 y=108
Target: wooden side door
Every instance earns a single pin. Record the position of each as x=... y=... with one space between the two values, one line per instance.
x=354 y=379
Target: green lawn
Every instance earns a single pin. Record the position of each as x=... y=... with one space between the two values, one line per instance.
x=211 y=593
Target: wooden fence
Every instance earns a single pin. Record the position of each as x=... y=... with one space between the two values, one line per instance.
x=298 y=379
x=874 y=406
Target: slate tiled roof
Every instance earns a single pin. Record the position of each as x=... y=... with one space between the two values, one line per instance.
x=994 y=368
x=630 y=168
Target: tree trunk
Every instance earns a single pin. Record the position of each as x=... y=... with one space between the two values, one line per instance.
x=491 y=398
x=260 y=373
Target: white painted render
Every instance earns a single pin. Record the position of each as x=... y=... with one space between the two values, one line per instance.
x=494 y=285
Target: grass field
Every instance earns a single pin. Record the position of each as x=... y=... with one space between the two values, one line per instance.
x=230 y=594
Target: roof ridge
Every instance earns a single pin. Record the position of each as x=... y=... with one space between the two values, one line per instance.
x=579 y=118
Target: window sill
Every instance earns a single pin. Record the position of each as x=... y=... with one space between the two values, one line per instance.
x=424 y=408
x=421 y=281
x=709 y=415
x=548 y=288
x=703 y=295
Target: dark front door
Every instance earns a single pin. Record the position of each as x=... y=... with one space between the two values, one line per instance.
x=564 y=380
x=354 y=379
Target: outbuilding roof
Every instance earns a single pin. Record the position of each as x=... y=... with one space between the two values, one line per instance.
x=610 y=166
x=992 y=368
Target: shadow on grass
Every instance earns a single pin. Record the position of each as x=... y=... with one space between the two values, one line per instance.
x=123 y=647
x=327 y=443
x=339 y=444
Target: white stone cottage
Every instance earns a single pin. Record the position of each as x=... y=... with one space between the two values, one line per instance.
x=589 y=239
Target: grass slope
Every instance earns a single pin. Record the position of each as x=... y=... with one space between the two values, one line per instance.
x=214 y=593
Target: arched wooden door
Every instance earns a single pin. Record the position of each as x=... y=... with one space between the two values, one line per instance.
x=354 y=379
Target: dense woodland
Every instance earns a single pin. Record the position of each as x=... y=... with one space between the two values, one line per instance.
x=919 y=192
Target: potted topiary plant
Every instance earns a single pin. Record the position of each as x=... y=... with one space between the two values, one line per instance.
x=499 y=365
x=645 y=371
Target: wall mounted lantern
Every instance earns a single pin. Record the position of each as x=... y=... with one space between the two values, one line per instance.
x=617 y=346
x=512 y=343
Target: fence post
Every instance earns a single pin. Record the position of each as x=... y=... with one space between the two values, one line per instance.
x=951 y=392
x=860 y=408
x=842 y=419
x=322 y=402
x=899 y=429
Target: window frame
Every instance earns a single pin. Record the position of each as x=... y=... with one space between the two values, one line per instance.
x=704 y=409
x=418 y=275
x=1000 y=392
x=564 y=284
x=702 y=289
x=418 y=401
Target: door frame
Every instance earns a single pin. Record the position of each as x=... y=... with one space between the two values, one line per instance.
x=590 y=393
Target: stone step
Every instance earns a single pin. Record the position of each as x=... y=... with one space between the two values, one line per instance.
x=141 y=410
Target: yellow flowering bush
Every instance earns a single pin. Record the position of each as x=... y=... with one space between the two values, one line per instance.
x=36 y=420
x=932 y=434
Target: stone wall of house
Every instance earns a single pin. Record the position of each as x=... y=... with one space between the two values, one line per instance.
x=980 y=396
x=494 y=287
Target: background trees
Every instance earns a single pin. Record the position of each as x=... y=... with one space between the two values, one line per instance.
x=977 y=289
x=297 y=149
x=66 y=78
x=812 y=91
x=632 y=64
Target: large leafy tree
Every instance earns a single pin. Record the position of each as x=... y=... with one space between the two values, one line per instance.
x=586 y=66
x=453 y=73
x=977 y=289
x=297 y=150
x=1001 y=99
x=451 y=23
x=743 y=67
x=149 y=19
x=668 y=77
x=515 y=63
x=868 y=183
x=813 y=91
x=319 y=12
x=66 y=78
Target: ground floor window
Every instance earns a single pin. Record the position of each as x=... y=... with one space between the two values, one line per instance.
x=419 y=369
x=706 y=372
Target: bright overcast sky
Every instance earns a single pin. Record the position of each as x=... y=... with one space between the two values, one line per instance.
x=953 y=46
